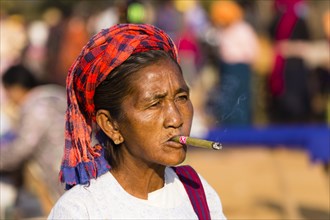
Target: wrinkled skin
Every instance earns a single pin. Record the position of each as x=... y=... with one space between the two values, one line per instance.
x=157 y=109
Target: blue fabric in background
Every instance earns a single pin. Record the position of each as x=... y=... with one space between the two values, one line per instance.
x=314 y=138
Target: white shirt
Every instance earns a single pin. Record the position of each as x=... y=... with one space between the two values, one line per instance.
x=104 y=198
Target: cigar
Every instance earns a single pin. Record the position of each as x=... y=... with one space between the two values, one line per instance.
x=197 y=142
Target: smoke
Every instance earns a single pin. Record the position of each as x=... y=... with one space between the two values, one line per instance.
x=235 y=109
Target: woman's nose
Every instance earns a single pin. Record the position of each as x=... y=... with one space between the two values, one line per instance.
x=173 y=116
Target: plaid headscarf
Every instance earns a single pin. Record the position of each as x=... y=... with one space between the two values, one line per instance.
x=105 y=51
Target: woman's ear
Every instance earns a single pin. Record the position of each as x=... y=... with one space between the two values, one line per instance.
x=109 y=126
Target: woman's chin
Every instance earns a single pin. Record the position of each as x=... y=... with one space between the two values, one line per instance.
x=176 y=160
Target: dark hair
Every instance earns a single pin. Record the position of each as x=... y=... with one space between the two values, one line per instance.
x=19 y=75
x=110 y=94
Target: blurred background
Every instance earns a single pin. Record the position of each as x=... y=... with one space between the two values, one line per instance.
x=259 y=72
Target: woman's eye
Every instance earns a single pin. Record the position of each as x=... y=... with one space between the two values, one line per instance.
x=182 y=98
x=155 y=104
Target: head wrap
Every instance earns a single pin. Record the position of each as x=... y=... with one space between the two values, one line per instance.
x=105 y=51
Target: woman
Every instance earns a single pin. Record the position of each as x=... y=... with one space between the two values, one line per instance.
x=128 y=80
x=290 y=77
x=237 y=51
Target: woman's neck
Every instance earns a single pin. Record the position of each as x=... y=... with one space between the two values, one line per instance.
x=139 y=179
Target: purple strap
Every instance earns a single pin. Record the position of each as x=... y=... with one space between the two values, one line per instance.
x=195 y=190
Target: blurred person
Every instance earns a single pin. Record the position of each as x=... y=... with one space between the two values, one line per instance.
x=13 y=40
x=35 y=53
x=291 y=101
x=168 y=18
x=326 y=27
x=75 y=29
x=128 y=87
x=316 y=55
x=194 y=25
x=191 y=54
x=56 y=19
x=61 y=49
x=237 y=51
x=194 y=16
x=37 y=136
x=100 y=20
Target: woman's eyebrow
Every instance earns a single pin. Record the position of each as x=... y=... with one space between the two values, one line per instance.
x=182 y=89
x=155 y=96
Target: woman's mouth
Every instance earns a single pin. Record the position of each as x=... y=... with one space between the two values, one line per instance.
x=174 y=144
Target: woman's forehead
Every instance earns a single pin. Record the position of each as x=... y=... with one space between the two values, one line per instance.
x=159 y=74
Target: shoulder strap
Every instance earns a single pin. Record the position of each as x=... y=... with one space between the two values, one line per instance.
x=195 y=190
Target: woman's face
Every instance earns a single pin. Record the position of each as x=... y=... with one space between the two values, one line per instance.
x=158 y=109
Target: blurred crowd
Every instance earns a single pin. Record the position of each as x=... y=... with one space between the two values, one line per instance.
x=247 y=62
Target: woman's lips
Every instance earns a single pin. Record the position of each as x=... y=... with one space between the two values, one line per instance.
x=174 y=144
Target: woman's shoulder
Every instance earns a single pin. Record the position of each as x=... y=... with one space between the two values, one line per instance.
x=76 y=202
x=86 y=190
x=77 y=191
x=71 y=204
